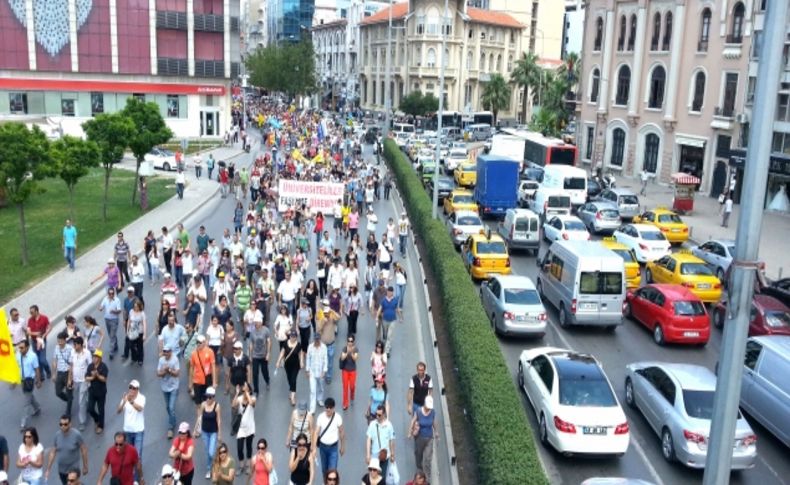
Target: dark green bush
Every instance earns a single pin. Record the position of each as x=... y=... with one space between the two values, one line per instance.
x=503 y=439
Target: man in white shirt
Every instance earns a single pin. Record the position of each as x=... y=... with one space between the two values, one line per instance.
x=132 y=405
x=222 y=287
x=286 y=293
x=403 y=233
x=16 y=326
x=80 y=360
x=330 y=436
x=137 y=276
x=198 y=289
x=334 y=277
x=316 y=365
x=236 y=247
x=181 y=181
x=167 y=249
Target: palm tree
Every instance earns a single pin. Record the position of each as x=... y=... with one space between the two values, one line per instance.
x=525 y=74
x=496 y=95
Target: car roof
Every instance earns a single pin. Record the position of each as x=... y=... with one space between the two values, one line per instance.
x=723 y=242
x=662 y=210
x=767 y=302
x=462 y=192
x=690 y=376
x=621 y=191
x=566 y=217
x=612 y=243
x=604 y=204
x=645 y=227
x=484 y=237
x=516 y=281
x=686 y=258
x=674 y=291
x=572 y=365
x=466 y=213
x=778 y=343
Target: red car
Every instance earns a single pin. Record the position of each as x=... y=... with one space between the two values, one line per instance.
x=672 y=312
x=769 y=316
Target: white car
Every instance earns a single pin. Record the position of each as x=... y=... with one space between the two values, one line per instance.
x=647 y=241
x=574 y=403
x=456 y=157
x=458 y=145
x=568 y=228
x=462 y=224
x=162 y=159
x=526 y=191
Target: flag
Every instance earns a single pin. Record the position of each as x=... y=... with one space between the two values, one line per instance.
x=321 y=130
x=9 y=369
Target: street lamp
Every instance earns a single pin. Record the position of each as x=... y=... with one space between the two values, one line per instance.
x=445 y=22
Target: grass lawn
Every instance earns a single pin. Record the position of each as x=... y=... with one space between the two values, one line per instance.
x=194 y=145
x=46 y=213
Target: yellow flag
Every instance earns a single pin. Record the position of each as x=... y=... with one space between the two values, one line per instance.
x=9 y=369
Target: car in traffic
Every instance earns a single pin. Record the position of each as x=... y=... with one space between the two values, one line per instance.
x=427 y=168
x=526 y=192
x=626 y=201
x=462 y=224
x=445 y=184
x=466 y=174
x=573 y=401
x=162 y=159
x=717 y=254
x=673 y=227
x=677 y=402
x=520 y=229
x=633 y=272
x=459 y=199
x=568 y=228
x=485 y=255
x=593 y=188
x=768 y=316
x=686 y=270
x=513 y=306
x=599 y=217
x=455 y=157
x=779 y=289
x=672 y=313
x=646 y=241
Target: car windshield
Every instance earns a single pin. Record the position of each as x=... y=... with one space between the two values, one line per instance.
x=610 y=214
x=463 y=199
x=586 y=391
x=491 y=247
x=469 y=221
x=574 y=226
x=695 y=269
x=699 y=404
x=601 y=283
x=428 y=168
x=629 y=200
x=777 y=319
x=468 y=168
x=575 y=183
x=521 y=296
x=689 y=308
x=669 y=218
x=731 y=249
x=653 y=236
x=559 y=201
x=626 y=254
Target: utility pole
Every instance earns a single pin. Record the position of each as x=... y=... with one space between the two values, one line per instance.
x=388 y=78
x=728 y=388
x=445 y=33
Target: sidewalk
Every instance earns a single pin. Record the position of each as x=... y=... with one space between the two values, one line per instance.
x=64 y=290
x=705 y=223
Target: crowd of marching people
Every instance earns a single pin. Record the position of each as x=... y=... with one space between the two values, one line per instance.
x=284 y=289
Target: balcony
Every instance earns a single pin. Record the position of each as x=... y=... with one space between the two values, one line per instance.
x=449 y=72
x=209 y=23
x=723 y=117
x=702 y=46
x=734 y=39
x=172 y=67
x=171 y=20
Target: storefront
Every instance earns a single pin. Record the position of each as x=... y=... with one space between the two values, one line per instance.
x=776 y=197
x=691 y=155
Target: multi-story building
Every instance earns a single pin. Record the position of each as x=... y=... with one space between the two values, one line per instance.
x=68 y=61
x=288 y=20
x=326 y=11
x=573 y=30
x=478 y=43
x=663 y=87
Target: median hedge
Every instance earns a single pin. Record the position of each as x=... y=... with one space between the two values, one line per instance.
x=505 y=448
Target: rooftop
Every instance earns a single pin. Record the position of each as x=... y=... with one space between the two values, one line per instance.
x=489 y=17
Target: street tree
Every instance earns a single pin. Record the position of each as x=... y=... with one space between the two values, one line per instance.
x=526 y=74
x=285 y=68
x=545 y=122
x=150 y=130
x=111 y=133
x=72 y=159
x=25 y=159
x=430 y=104
x=411 y=104
x=496 y=95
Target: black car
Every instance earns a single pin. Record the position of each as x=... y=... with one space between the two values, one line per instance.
x=593 y=188
x=446 y=185
x=779 y=289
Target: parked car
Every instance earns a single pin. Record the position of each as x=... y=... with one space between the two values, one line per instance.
x=161 y=158
x=666 y=221
x=671 y=312
x=513 y=306
x=462 y=224
x=677 y=402
x=717 y=254
x=569 y=228
x=626 y=201
x=768 y=316
x=647 y=242
x=686 y=270
x=574 y=403
x=599 y=217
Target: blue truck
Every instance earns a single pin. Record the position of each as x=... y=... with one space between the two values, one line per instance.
x=496 y=190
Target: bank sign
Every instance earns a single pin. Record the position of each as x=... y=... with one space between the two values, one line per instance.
x=318 y=196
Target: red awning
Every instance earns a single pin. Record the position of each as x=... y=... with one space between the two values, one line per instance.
x=685 y=179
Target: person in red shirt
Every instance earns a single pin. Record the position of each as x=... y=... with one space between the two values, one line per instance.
x=37 y=331
x=122 y=461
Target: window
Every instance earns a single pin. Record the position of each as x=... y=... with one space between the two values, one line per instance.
x=667 y=32
x=469 y=60
x=471 y=33
x=433 y=25
x=753 y=350
x=600 y=283
x=621 y=36
x=618 y=147
x=447 y=28
x=657 y=83
x=736 y=34
x=491 y=62
x=650 y=162
x=757 y=44
x=595 y=85
x=499 y=63
x=512 y=36
x=730 y=91
x=467 y=94
x=509 y=63
x=699 y=92
x=431 y=57
x=656 y=32
x=590 y=141
x=97 y=103
x=750 y=89
x=781 y=143
x=544 y=370
x=172 y=106
x=421 y=24
x=598 y=34
x=17 y=103
x=704 y=31
x=623 y=85
x=67 y=107
x=782 y=107
x=632 y=34
x=482 y=61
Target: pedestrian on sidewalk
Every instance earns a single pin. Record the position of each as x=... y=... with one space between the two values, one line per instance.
x=329 y=436
x=111 y=308
x=113 y=275
x=97 y=393
x=180 y=182
x=31 y=379
x=726 y=211
x=198 y=163
x=210 y=165
x=121 y=255
x=644 y=177
x=70 y=243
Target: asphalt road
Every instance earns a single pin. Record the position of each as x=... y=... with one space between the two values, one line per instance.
x=273 y=411
x=631 y=342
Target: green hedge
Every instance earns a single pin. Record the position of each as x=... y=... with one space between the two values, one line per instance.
x=503 y=439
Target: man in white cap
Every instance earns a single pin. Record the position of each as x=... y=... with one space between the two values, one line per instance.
x=316 y=365
x=222 y=287
x=132 y=406
x=3 y=478
x=168 y=370
x=168 y=473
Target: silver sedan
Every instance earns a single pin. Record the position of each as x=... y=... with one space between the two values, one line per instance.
x=599 y=217
x=717 y=253
x=463 y=224
x=677 y=402
x=513 y=305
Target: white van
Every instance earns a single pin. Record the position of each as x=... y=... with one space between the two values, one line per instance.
x=572 y=180
x=403 y=128
x=550 y=202
x=521 y=229
x=479 y=131
x=584 y=281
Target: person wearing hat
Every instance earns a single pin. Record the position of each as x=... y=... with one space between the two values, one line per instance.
x=111 y=307
x=380 y=442
x=169 y=476
x=222 y=287
x=316 y=364
x=291 y=359
x=209 y=422
x=96 y=374
x=169 y=290
x=182 y=452
x=239 y=367
x=169 y=370
x=374 y=476
x=112 y=275
x=423 y=429
x=132 y=405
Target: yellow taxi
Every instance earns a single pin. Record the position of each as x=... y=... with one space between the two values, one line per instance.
x=485 y=255
x=633 y=275
x=675 y=230
x=466 y=174
x=458 y=200
x=685 y=269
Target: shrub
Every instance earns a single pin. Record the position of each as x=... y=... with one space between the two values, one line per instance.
x=503 y=439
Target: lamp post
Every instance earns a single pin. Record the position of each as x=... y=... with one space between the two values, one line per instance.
x=445 y=22
x=388 y=77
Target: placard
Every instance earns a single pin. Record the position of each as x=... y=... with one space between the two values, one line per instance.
x=318 y=196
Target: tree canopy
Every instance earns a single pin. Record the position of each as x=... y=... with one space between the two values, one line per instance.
x=417 y=104
x=496 y=95
x=287 y=68
x=150 y=130
x=73 y=157
x=111 y=132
